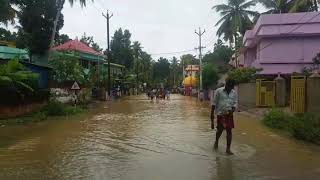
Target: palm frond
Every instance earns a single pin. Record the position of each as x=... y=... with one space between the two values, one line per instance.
x=224 y=18
x=222 y=7
x=236 y=3
x=269 y=4
x=223 y=13
x=252 y=13
x=24 y=86
x=248 y=4
x=82 y=2
x=302 y=5
x=5 y=81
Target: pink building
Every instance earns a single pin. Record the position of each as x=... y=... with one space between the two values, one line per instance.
x=283 y=43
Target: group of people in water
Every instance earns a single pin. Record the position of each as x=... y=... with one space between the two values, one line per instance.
x=158 y=94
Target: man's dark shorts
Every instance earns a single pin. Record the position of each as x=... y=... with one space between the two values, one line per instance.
x=225 y=121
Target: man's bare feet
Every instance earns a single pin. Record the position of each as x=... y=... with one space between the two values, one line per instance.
x=229 y=152
x=215 y=147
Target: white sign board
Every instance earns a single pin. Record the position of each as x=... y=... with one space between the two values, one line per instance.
x=75 y=86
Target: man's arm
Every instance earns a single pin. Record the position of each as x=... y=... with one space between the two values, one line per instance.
x=213 y=107
x=235 y=102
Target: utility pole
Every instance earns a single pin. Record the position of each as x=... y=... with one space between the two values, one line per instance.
x=108 y=17
x=200 y=33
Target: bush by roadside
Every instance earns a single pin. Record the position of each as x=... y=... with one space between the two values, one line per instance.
x=55 y=108
x=301 y=126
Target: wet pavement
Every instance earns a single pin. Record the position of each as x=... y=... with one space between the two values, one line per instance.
x=136 y=139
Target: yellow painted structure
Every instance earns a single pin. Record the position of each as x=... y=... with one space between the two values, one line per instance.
x=9 y=44
x=265 y=93
x=190 y=81
x=298 y=94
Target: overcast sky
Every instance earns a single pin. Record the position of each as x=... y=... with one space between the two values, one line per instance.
x=160 y=25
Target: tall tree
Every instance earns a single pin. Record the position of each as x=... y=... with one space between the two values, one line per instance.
x=161 y=70
x=7 y=12
x=121 y=51
x=6 y=35
x=174 y=68
x=235 y=19
x=137 y=64
x=210 y=76
x=146 y=60
x=220 y=56
x=36 y=19
x=61 y=39
x=136 y=49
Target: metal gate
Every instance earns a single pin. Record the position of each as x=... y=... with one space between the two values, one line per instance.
x=298 y=94
x=265 y=93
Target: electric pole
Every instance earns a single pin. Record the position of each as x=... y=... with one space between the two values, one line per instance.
x=200 y=33
x=108 y=17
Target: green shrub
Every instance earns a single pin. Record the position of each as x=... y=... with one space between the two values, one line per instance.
x=71 y=110
x=39 y=116
x=277 y=119
x=301 y=126
x=55 y=108
x=306 y=127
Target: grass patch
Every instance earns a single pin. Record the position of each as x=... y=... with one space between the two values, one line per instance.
x=301 y=126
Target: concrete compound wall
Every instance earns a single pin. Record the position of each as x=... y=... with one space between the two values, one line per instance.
x=247 y=96
x=16 y=111
x=313 y=95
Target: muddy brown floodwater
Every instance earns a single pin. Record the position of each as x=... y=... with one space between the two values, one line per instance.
x=135 y=139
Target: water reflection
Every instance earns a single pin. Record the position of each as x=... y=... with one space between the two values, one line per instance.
x=224 y=168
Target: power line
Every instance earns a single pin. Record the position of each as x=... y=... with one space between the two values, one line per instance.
x=176 y=52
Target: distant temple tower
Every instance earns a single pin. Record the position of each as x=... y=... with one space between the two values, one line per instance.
x=191 y=81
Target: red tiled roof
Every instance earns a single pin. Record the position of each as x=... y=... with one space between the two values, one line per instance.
x=76 y=45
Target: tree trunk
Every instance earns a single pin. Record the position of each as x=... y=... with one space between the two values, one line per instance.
x=174 y=78
x=60 y=4
x=236 y=49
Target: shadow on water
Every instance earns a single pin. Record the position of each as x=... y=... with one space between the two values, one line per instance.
x=135 y=138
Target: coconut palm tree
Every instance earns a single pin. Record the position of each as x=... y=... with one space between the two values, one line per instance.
x=236 y=18
x=276 y=6
x=136 y=49
x=59 y=4
x=289 y=6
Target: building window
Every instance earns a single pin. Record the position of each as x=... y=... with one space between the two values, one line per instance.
x=84 y=64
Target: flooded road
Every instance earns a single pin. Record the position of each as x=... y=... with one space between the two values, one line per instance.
x=135 y=139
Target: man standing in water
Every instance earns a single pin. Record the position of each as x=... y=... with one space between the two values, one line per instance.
x=224 y=105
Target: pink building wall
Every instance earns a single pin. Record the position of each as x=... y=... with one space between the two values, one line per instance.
x=283 y=43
